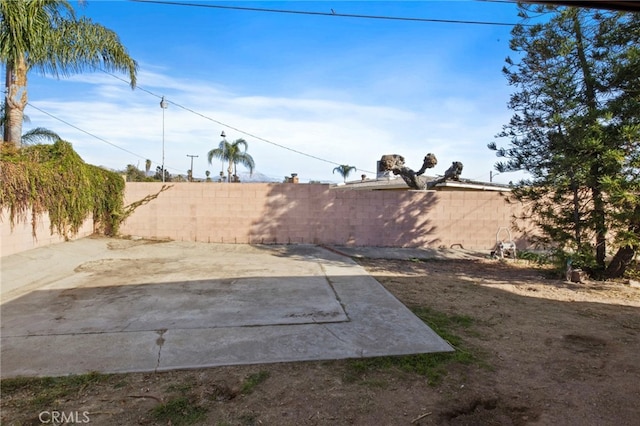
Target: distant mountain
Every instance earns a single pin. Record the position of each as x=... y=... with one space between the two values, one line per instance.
x=257 y=177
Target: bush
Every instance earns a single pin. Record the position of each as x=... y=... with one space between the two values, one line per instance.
x=54 y=179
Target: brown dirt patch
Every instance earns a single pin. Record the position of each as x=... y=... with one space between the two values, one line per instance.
x=547 y=352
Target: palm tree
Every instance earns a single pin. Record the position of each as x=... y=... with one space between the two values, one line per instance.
x=33 y=136
x=147 y=167
x=46 y=35
x=233 y=153
x=344 y=170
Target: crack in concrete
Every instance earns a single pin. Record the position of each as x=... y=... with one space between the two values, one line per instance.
x=160 y=341
x=124 y=329
x=335 y=293
x=326 y=327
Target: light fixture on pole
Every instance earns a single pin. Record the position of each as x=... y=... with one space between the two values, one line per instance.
x=224 y=146
x=164 y=105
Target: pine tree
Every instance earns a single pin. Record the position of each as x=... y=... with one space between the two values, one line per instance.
x=576 y=130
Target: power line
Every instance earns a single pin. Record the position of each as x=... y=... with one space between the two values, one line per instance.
x=228 y=126
x=332 y=13
x=91 y=134
x=258 y=137
x=186 y=109
x=285 y=11
x=254 y=9
x=82 y=130
x=499 y=1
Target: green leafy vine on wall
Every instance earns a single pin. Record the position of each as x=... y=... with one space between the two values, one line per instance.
x=53 y=179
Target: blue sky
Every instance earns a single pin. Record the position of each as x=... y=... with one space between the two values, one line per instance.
x=339 y=90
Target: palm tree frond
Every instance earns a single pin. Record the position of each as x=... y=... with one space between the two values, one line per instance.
x=39 y=134
x=79 y=45
x=46 y=35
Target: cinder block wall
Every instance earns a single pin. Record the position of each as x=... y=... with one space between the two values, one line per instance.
x=20 y=238
x=310 y=213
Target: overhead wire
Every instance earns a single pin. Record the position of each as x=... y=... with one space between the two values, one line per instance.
x=228 y=126
x=331 y=13
x=499 y=1
x=267 y=10
x=187 y=109
x=81 y=130
x=87 y=132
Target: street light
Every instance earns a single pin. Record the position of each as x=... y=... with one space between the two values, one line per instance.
x=164 y=105
x=224 y=146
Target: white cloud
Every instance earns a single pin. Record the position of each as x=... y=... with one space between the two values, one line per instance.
x=340 y=131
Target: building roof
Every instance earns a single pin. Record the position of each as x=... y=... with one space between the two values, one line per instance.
x=396 y=183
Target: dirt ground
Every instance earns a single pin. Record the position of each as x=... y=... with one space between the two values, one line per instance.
x=542 y=351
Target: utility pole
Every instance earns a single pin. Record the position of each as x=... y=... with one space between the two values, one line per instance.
x=191 y=179
x=224 y=144
x=164 y=105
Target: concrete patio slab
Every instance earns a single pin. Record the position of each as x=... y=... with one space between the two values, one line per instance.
x=110 y=305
